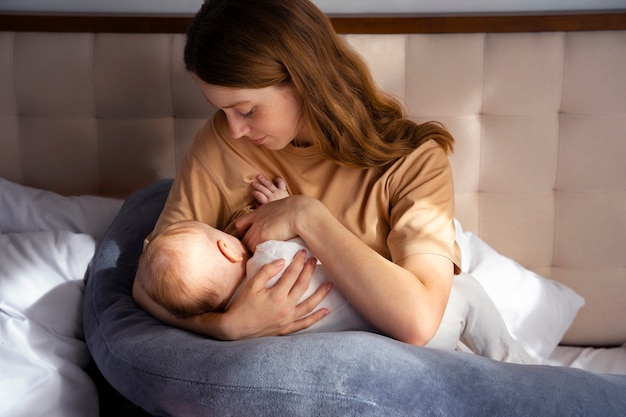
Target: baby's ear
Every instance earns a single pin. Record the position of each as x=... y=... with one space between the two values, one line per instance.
x=228 y=252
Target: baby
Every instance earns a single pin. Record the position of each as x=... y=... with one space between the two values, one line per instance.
x=192 y=268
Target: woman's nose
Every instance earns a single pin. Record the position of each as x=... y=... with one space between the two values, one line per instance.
x=238 y=127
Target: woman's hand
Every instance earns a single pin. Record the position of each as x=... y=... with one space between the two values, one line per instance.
x=260 y=311
x=275 y=220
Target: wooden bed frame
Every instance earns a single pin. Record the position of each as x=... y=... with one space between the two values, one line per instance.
x=462 y=23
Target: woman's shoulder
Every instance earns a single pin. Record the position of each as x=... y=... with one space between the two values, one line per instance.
x=430 y=148
x=426 y=167
x=427 y=155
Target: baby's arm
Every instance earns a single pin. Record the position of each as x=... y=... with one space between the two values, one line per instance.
x=266 y=191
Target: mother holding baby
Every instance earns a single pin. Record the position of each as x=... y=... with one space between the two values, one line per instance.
x=371 y=191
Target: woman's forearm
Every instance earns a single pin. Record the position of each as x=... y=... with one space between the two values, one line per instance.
x=405 y=300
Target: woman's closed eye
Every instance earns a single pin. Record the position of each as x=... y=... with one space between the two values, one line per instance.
x=248 y=114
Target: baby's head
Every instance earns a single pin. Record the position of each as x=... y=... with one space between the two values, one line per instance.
x=192 y=268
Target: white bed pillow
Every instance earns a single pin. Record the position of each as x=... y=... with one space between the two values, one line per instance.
x=26 y=209
x=536 y=310
x=42 y=348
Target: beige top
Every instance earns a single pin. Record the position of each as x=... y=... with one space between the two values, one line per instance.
x=406 y=210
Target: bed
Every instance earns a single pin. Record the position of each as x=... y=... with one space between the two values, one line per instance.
x=96 y=113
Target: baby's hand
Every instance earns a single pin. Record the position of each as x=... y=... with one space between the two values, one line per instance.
x=266 y=191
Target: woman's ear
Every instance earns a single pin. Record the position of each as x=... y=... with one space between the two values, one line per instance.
x=228 y=252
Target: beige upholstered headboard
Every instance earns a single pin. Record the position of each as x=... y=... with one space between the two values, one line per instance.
x=103 y=105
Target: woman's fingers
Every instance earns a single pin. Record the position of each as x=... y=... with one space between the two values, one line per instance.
x=306 y=310
x=266 y=273
x=313 y=301
x=261 y=225
x=243 y=223
x=275 y=220
x=296 y=279
x=297 y=274
x=306 y=322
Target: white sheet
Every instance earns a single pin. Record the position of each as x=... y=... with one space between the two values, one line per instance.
x=602 y=360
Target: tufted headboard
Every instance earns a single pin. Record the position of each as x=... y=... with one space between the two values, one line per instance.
x=103 y=105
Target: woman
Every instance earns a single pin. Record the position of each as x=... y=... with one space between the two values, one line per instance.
x=371 y=192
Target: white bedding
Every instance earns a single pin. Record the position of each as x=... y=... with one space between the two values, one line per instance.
x=27 y=209
x=47 y=241
x=602 y=360
x=42 y=352
x=46 y=244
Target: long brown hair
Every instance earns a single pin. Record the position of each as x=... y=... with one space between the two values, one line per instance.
x=260 y=43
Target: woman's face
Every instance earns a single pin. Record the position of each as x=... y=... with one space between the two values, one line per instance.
x=270 y=116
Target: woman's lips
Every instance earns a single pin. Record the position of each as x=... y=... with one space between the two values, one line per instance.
x=258 y=141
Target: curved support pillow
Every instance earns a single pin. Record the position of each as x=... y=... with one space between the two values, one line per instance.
x=168 y=371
